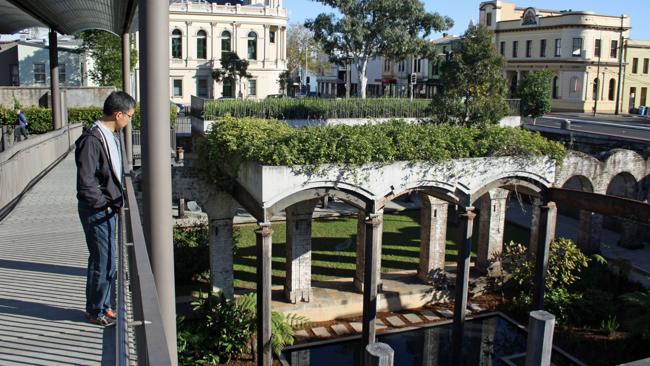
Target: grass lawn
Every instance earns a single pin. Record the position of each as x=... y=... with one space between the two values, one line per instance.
x=400 y=247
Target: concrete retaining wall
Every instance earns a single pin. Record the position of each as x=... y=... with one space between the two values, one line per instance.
x=23 y=162
x=40 y=96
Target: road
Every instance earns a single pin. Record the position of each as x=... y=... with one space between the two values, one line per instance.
x=636 y=129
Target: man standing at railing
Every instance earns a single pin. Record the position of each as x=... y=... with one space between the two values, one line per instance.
x=100 y=196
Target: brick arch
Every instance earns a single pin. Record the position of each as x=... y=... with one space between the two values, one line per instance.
x=350 y=195
x=623 y=184
x=620 y=161
x=579 y=183
x=579 y=164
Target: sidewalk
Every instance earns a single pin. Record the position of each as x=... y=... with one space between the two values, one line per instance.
x=43 y=260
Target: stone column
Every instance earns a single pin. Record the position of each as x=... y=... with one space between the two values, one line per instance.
x=488 y=333
x=361 y=250
x=534 y=226
x=373 y=226
x=264 y=243
x=431 y=346
x=630 y=234
x=266 y=41
x=433 y=236
x=221 y=256
x=492 y=221
x=589 y=232
x=462 y=283
x=298 y=251
x=300 y=358
x=546 y=230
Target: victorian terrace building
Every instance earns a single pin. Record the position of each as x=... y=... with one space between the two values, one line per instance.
x=581 y=48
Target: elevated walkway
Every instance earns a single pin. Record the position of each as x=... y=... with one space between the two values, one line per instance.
x=43 y=259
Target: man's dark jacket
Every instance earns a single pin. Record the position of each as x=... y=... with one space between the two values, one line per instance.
x=97 y=183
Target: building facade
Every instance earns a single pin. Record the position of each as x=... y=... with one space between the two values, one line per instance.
x=201 y=31
x=582 y=49
x=637 y=76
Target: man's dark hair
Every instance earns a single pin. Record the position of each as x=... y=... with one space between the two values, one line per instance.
x=118 y=101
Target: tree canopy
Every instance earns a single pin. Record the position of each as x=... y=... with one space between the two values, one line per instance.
x=232 y=68
x=105 y=49
x=373 y=28
x=534 y=90
x=474 y=89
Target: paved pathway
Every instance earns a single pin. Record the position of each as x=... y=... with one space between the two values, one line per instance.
x=43 y=260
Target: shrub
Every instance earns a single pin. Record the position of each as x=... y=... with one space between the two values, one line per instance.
x=535 y=93
x=640 y=302
x=191 y=252
x=316 y=108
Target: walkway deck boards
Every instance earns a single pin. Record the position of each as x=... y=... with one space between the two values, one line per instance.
x=43 y=260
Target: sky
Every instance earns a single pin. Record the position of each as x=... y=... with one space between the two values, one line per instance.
x=462 y=11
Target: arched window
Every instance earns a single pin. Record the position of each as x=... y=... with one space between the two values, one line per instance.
x=201 y=45
x=252 y=46
x=177 y=44
x=612 y=89
x=555 y=88
x=575 y=87
x=594 y=93
x=225 y=42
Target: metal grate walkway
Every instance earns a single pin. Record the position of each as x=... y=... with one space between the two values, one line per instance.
x=43 y=260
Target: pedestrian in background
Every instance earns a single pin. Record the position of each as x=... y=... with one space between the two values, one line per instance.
x=21 y=121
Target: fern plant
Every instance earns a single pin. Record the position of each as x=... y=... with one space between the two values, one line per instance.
x=641 y=323
x=281 y=326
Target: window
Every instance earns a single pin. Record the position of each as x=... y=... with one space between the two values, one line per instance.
x=252 y=46
x=227 y=89
x=417 y=65
x=515 y=44
x=386 y=65
x=225 y=42
x=62 y=75
x=612 y=89
x=435 y=69
x=635 y=65
x=597 y=48
x=645 y=65
x=252 y=87
x=555 y=88
x=644 y=94
x=502 y=48
x=15 y=80
x=558 y=47
x=577 y=47
x=401 y=66
x=632 y=97
x=488 y=19
x=39 y=73
x=594 y=92
x=542 y=48
x=201 y=45
x=177 y=44
x=529 y=48
x=271 y=36
x=575 y=87
x=613 y=50
x=202 y=87
x=177 y=89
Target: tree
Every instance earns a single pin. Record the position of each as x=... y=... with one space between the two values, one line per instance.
x=371 y=28
x=302 y=50
x=474 y=89
x=534 y=90
x=232 y=68
x=105 y=49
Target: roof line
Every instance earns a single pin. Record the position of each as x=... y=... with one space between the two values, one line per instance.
x=18 y=4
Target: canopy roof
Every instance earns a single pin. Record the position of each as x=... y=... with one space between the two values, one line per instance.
x=67 y=16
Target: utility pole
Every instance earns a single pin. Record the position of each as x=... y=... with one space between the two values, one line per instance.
x=620 y=69
x=597 y=81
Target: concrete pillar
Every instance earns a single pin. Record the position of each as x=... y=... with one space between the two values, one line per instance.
x=546 y=230
x=539 y=345
x=462 y=283
x=431 y=346
x=264 y=243
x=630 y=235
x=492 y=222
x=126 y=87
x=54 y=81
x=433 y=236
x=589 y=232
x=488 y=333
x=378 y=354
x=361 y=248
x=298 y=264
x=221 y=256
x=154 y=31
x=300 y=358
x=373 y=234
x=534 y=226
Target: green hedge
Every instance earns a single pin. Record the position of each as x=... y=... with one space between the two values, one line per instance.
x=316 y=108
x=40 y=119
x=274 y=143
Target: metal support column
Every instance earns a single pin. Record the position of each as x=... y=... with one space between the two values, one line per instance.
x=264 y=241
x=156 y=158
x=126 y=87
x=373 y=232
x=55 y=94
x=546 y=235
x=462 y=284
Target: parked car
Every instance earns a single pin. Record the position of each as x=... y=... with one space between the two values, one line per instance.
x=276 y=96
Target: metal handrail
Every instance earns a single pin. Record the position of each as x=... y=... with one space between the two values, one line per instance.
x=136 y=276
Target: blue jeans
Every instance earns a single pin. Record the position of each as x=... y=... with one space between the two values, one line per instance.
x=100 y=229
